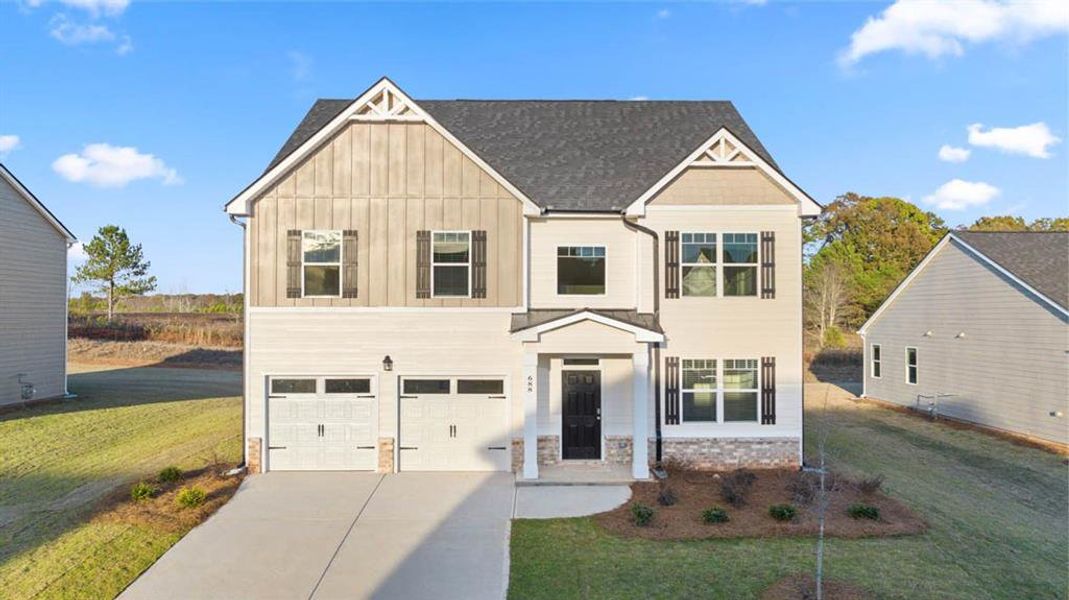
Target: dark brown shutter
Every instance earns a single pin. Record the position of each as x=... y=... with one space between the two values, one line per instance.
x=293 y=263
x=423 y=264
x=671 y=390
x=671 y=264
x=768 y=264
x=478 y=264
x=348 y=263
x=768 y=390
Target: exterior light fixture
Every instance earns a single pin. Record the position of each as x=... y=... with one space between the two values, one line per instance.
x=960 y=335
x=928 y=333
x=387 y=363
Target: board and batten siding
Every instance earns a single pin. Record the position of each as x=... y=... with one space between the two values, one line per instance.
x=33 y=298
x=1009 y=368
x=387 y=181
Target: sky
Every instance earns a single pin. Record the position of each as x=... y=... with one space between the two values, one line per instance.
x=151 y=115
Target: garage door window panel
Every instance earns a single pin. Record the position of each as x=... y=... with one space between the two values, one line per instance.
x=480 y=386
x=293 y=386
x=427 y=386
x=348 y=386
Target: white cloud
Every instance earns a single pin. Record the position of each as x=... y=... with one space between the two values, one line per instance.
x=957 y=194
x=755 y=2
x=639 y=98
x=1032 y=140
x=936 y=29
x=300 y=65
x=664 y=13
x=948 y=153
x=96 y=7
x=8 y=143
x=126 y=46
x=76 y=252
x=75 y=34
x=104 y=165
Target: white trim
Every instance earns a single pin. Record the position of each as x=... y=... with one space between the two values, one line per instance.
x=468 y=264
x=556 y=262
x=931 y=254
x=656 y=208
x=807 y=206
x=873 y=361
x=341 y=255
x=526 y=264
x=916 y=364
x=239 y=205
x=615 y=215
x=532 y=334
x=37 y=205
x=386 y=309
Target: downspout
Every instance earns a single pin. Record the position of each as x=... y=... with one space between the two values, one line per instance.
x=657 y=346
x=245 y=336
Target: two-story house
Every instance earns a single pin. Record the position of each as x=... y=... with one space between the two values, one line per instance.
x=495 y=285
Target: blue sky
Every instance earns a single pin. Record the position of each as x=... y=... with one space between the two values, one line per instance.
x=211 y=91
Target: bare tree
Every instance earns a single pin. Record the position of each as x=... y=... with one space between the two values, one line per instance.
x=824 y=494
x=826 y=296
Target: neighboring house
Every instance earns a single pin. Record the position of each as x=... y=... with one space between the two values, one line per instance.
x=495 y=285
x=33 y=296
x=979 y=332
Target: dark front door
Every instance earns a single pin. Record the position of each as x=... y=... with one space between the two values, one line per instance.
x=581 y=437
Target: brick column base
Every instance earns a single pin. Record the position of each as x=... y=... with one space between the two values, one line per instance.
x=254 y=465
x=385 y=455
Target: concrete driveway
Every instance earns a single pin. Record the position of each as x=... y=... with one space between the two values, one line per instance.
x=346 y=535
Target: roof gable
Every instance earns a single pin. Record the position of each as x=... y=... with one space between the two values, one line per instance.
x=32 y=200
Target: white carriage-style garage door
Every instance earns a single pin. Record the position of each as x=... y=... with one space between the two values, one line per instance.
x=322 y=424
x=454 y=424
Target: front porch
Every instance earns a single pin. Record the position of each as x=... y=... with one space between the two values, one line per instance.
x=579 y=473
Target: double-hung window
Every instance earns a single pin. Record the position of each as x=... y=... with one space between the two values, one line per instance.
x=911 y=366
x=876 y=361
x=724 y=391
x=699 y=390
x=740 y=264
x=321 y=263
x=581 y=270
x=451 y=263
x=699 y=264
x=740 y=390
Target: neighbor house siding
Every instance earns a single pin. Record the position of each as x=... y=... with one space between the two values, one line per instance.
x=387 y=181
x=33 y=297
x=1001 y=354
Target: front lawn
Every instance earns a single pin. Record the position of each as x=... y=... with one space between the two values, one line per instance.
x=59 y=462
x=997 y=511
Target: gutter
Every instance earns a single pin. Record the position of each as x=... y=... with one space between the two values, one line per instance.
x=245 y=336
x=657 y=346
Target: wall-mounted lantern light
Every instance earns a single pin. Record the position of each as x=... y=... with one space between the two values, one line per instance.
x=960 y=335
x=387 y=363
x=928 y=333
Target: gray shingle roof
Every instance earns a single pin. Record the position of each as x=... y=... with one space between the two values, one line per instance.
x=540 y=316
x=597 y=155
x=1040 y=259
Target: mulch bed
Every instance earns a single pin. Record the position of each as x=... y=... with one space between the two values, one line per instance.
x=699 y=490
x=804 y=587
x=162 y=512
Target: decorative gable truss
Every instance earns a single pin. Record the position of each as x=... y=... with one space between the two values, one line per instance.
x=387 y=106
x=722 y=153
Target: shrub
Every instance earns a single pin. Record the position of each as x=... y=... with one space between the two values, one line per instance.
x=782 y=512
x=803 y=487
x=715 y=515
x=641 y=514
x=142 y=491
x=170 y=474
x=667 y=497
x=735 y=487
x=834 y=338
x=863 y=511
x=870 y=485
x=190 y=497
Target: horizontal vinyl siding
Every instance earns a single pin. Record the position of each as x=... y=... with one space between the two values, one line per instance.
x=619 y=242
x=33 y=287
x=1010 y=370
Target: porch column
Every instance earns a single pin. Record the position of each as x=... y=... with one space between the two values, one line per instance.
x=640 y=386
x=530 y=415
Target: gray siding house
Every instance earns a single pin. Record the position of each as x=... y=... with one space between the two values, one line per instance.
x=979 y=332
x=33 y=296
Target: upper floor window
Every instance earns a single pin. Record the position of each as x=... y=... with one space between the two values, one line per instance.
x=581 y=270
x=451 y=263
x=876 y=361
x=740 y=264
x=699 y=264
x=321 y=263
x=911 y=366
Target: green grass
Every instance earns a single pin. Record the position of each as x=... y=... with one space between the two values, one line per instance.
x=58 y=462
x=999 y=527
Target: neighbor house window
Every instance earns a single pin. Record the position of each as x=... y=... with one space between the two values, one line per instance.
x=740 y=390
x=321 y=252
x=876 y=360
x=740 y=264
x=451 y=263
x=699 y=264
x=581 y=270
x=699 y=390
x=911 y=366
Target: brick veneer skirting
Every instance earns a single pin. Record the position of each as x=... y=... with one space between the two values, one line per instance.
x=618 y=449
x=548 y=451
x=731 y=453
x=385 y=455
x=255 y=454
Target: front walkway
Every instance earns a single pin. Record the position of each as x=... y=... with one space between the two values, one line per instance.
x=361 y=535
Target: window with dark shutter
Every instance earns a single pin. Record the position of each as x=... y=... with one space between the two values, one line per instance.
x=768 y=390
x=349 y=263
x=671 y=390
x=293 y=263
x=671 y=264
x=768 y=264
x=423 y=264
x=478 y=264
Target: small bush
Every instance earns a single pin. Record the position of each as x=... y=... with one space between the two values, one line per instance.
x=190 y=497
x=142 y=491
x=170 y=475
x=715 y=515
x=782 y=512
x=834 y=338
x=803 y=487
x=667 y=497
x=870 y=485
x=735 y=487
x=641 y=514
x=863 y=511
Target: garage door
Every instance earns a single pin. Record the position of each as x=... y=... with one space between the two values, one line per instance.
x=454 y=424
x=322 y=424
